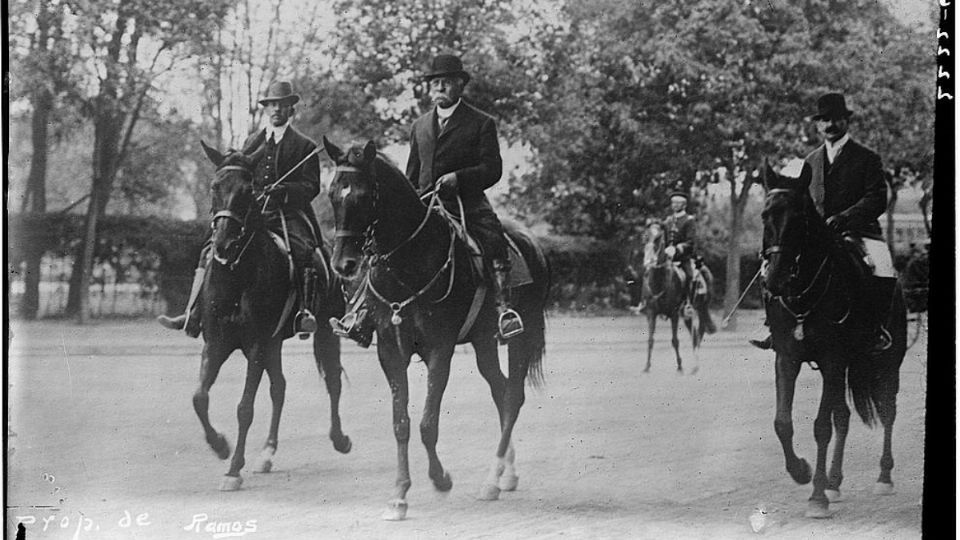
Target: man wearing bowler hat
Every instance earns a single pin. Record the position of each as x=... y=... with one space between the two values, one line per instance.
x=288 y=173
x=454 y=150
x=846 y=183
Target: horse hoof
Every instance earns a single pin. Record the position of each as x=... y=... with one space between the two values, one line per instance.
x=803 y=473
x=646 y=369
x=343 y=445
x=489 y=493
x=818 y=510
x=264 y=465
x=833 y=495
x=220 y=446
x=883 y=488
x=231 y=483
x=509 y=482
x=443 y=484
x=396 y=510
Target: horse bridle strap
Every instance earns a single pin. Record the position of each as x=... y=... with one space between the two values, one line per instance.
x=229 y=214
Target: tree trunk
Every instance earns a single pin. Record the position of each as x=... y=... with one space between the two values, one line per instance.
x=891 y=207
x=35 y=200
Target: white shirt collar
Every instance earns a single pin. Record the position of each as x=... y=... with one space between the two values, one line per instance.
x=448 y=112
x=276 y=131
x=680 y=214
x=834 y=148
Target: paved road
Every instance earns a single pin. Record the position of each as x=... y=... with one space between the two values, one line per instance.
x=103 y=443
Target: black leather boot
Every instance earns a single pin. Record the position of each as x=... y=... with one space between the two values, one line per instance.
x=189 y=321
x=355 y=324
x=305 y=323
x=509 y=322
x=881 y=300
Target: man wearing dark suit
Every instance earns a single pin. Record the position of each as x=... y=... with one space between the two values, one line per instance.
x=847 y=185
x=289 y=173
x=454 y=150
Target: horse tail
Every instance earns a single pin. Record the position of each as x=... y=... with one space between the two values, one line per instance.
x=875 y=380
x=860 y=375
x=531 y=344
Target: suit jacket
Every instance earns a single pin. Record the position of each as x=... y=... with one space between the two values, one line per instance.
x=467 y=146
x=852 y=186
x=680 y=233
x=303 y=184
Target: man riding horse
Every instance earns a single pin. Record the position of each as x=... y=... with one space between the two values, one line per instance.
x=681 y=230
x=847 y=186
x=288 y=175
x=454 y=150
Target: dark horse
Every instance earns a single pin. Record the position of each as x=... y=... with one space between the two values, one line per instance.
x=244 y=298
x=660 y=292
x=421 y=291
x=813 y=288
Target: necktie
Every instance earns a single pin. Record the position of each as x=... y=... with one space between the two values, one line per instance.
x=443 y=122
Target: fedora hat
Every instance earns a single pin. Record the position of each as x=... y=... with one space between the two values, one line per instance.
x=831 y=105
x=446 y=65
x=280 y=91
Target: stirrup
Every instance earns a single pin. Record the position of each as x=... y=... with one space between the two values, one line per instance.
x=883 y=342
x=509 y=324
x=304 y=324
x=343 y=327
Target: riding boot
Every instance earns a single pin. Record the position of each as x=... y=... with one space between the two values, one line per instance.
x=509 y=323
x=881 y=298
x=355 y=324
x=305 y=323
x=189 y=321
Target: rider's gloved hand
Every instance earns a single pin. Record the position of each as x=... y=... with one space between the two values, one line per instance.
x=277 y=192
x=447 y=185
x=838 y=223
x=670 y=251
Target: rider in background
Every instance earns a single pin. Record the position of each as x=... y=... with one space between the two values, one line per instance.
x=847 y=185
x=681 y=230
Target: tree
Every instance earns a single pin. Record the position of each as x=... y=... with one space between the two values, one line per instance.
x=119 y=48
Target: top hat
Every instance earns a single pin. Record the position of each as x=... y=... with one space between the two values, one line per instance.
x=831 y=105
x=446 y=65
x=280 y=91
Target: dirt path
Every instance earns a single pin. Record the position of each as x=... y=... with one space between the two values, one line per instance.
x=104 y=443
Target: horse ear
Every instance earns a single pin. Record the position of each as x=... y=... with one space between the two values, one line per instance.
x=212 y=154
x=369 y=151
x=333 y=150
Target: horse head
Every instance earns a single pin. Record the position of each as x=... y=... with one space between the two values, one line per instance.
x=653 y=252
x=233 y=205
x=354 y=195
x=789 y=222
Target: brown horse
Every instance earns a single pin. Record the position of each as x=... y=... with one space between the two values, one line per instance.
x=661 y=293
x=243 y=305
x=816 y=315
x=425 y=299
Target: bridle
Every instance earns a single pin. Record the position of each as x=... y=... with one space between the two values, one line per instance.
x=375 y=258
x=227 y=213
x=791 y=303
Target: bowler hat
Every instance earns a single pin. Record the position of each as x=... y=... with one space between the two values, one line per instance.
x=280 y=91
x=446 y=65
x=832 y=105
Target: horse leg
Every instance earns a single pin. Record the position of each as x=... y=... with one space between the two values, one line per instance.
x=651 y=328
x=675 y=341
x=488 y=363
x=232 y=480
x=438 y=374
x=841 y=424
x=278 y=390
x=212 y=359
x=326 y=353
x=833 y=387
x=887 y=411
x=394 y=366
x=787 y=370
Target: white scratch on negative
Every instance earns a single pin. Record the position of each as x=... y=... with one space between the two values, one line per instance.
x=66 y=360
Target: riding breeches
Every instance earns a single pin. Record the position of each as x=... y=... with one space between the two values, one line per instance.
x=484 y=225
